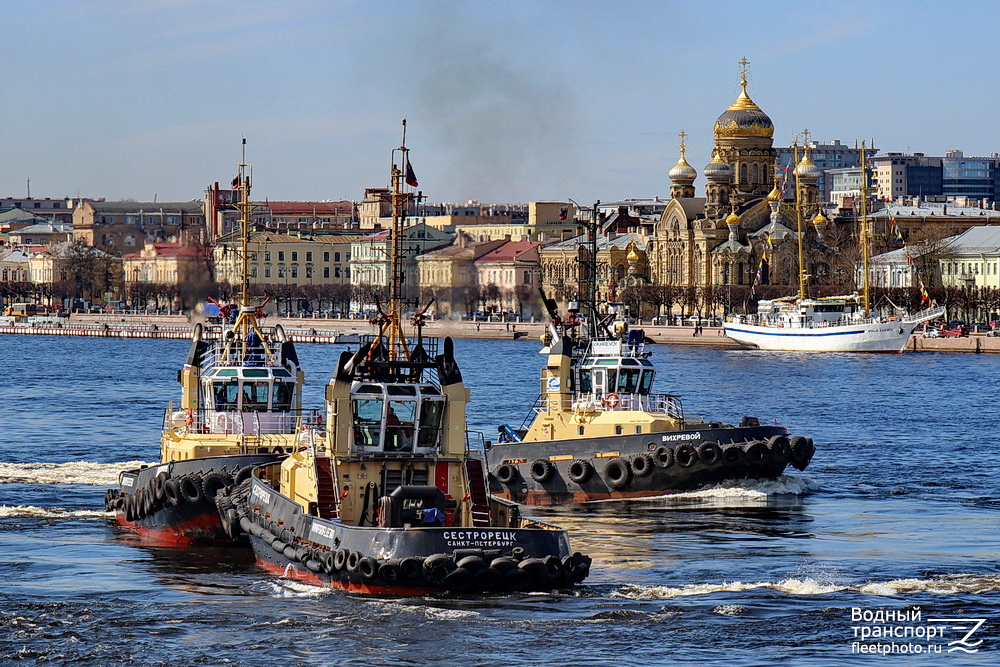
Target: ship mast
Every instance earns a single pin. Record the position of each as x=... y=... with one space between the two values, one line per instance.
x=390 y=324
x=243 y=183
x=864 y=231
x=798 y=218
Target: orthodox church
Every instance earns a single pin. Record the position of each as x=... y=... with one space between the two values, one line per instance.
x=719 y=239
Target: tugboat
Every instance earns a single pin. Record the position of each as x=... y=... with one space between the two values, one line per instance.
x=241 y=394
x=598 y=432
x=389 y=500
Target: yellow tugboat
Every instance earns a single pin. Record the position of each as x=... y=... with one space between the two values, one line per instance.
x=598 y=431
x=241 y=393
x=390 y=500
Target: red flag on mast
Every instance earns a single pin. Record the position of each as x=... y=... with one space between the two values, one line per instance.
x=411 y=178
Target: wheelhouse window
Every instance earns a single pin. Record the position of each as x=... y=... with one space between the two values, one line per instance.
x=255 y=395
x=226 y=396
x=282 y=399
x=367 y=421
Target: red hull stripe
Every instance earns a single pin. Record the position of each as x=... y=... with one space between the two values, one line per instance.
x=310 y=577
x=203 y=529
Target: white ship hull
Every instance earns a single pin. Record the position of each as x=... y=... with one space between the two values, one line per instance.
x=862 y=337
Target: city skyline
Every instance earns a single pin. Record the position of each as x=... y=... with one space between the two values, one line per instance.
x=506 y=102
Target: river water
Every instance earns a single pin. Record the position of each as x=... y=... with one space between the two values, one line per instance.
x=893 y=527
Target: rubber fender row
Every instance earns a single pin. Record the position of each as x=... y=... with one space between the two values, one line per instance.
x=165 y=491
x=471 y=573
x=620 y=471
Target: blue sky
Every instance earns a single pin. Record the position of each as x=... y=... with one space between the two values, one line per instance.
x=506 y=101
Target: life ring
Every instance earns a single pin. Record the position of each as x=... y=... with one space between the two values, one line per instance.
x=611 y=401
x=642 y=464
x=710 y=453
x=664 y=456
x=580 y=471
x=191 y=489
x=190 y=418
x=779 y=448
x=542 y=470
x=506 y=473
x=618 y=473
x=685 y=455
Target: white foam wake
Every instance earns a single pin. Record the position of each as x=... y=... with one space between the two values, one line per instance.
x=743 y=490
x=73 y=472
x=940 y=585
x=30 y=511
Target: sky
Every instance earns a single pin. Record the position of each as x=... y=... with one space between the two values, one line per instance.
x=506 y=101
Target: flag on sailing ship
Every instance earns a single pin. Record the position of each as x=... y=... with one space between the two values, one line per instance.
x=411 y=178
x=894 y=231
x=236 y=182
x=924 y=297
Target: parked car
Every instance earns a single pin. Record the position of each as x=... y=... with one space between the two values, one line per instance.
x=960 y=331
x=932 y=333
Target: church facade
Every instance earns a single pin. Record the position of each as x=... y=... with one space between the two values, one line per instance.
x=719 y=239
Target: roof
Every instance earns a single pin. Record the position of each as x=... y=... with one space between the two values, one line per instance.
x=620 y=241
x=935 y=210
x=310 y=207
x=984 y=238
x=194 y=206
x=509 y=252
x=47 y=227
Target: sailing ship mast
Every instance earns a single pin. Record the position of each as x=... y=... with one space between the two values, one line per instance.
x=798 y=215
x=865 y=232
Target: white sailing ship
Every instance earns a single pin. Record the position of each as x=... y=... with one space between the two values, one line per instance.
x=826 y=324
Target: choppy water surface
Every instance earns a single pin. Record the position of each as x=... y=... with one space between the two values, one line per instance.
x=898 y=512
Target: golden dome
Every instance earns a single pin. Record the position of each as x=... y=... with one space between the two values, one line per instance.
x=732 y=218
x=632 y=256
x=819 y=219
x=744 y=118
x=807 y=169
x=775 y=193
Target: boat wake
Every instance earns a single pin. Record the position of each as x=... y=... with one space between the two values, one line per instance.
x=740 y=491
x=288 y=588
x=939 y=585
x=73 y=472
x=32 y=512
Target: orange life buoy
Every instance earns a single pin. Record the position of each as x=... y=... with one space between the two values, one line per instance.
x=611 y=401
x=190 y=417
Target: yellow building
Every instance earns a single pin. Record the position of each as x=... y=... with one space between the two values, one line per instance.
x=448 y=275
x=553 y=220
x=167 y=264
x=287 y=259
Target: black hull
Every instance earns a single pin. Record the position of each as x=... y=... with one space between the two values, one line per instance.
x=402 y=561
x=175 y=503
x=640 y=466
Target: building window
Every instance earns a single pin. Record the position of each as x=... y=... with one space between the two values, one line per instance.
x=309 y=272
x=336 y=272
x=295 y=256
x=267 y=255
x=309 y=256
x=281 y=272
x=326 y=271
x=267 y=271
x=326 y=256
x=281 y=255
x=336 y=257
x=295 y=272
